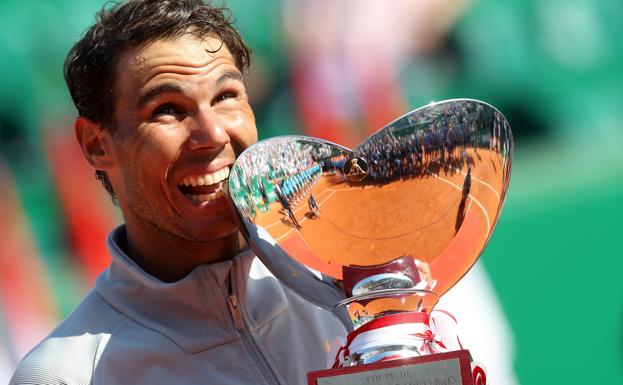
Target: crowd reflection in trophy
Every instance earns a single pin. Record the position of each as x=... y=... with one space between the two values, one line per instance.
x=281 y=174
x=412 y=148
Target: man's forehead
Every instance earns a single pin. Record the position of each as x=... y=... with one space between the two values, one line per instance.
x=187 y=51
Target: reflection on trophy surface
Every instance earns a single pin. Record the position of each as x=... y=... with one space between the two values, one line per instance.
x=393 y=224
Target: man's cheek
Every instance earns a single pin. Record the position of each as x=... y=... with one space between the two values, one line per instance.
x=250 y=133
x=244 y=136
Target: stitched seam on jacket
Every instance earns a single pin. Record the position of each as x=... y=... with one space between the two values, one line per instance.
x=137 y=323
x=112 y=332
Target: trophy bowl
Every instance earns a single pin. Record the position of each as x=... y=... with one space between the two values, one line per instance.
x=378 y=233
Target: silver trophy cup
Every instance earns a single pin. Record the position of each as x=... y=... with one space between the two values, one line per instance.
x=378 y=233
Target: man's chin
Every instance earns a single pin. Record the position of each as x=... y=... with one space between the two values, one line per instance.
x=206 y=221
x=211 y=232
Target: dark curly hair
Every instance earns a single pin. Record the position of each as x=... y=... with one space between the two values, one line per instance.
x=90 y=64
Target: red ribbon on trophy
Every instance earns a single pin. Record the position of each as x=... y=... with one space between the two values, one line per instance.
x=427 y=333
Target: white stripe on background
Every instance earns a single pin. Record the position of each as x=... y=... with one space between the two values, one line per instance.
x=482 y=325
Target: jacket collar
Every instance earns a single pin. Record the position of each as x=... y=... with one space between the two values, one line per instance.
x=192 y=312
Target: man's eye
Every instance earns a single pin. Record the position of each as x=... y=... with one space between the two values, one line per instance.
x=225 y=95
x=166 y=109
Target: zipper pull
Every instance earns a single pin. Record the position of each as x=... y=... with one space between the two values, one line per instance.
x=236 y=314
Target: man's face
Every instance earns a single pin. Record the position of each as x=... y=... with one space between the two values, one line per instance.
x=181 y=118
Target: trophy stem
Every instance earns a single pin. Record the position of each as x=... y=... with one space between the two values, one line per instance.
x=367 y=307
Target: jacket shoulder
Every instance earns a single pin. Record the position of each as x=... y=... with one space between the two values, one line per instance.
x=70 y=353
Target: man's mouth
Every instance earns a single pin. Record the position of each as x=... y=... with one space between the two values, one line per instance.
x=205 y=187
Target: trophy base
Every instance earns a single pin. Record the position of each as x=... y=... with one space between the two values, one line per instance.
x=451 y=368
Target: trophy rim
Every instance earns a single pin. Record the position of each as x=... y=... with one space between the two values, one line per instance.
x=384 y=294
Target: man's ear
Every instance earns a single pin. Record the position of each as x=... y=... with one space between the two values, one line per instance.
x=95 y=143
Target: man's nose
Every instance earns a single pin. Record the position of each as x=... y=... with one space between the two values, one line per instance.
x=208 y=131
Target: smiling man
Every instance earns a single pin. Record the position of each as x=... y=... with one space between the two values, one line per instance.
x=181 y=117
x=163 y=113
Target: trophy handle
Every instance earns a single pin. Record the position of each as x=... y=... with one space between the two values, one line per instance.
x=314 y=286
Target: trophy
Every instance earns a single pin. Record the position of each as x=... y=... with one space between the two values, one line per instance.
x=378 y=233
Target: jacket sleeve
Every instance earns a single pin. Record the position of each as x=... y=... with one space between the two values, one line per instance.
x=64 y=360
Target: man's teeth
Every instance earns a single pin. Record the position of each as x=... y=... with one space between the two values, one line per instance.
x=207 y=179
x=206 y=197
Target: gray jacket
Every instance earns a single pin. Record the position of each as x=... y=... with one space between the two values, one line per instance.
x=225 y=323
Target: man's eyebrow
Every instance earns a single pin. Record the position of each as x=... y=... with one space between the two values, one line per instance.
x=229 y=75
x=157 y=91
x=169 y=87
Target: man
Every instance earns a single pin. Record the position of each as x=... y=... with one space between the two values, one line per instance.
x=467 y=184
x=163 y=113
x=285 y=204
x=313 y=206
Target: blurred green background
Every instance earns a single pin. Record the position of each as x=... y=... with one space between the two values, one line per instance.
x=554 y=68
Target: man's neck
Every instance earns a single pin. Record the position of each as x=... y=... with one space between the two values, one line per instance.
x=171 y=258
